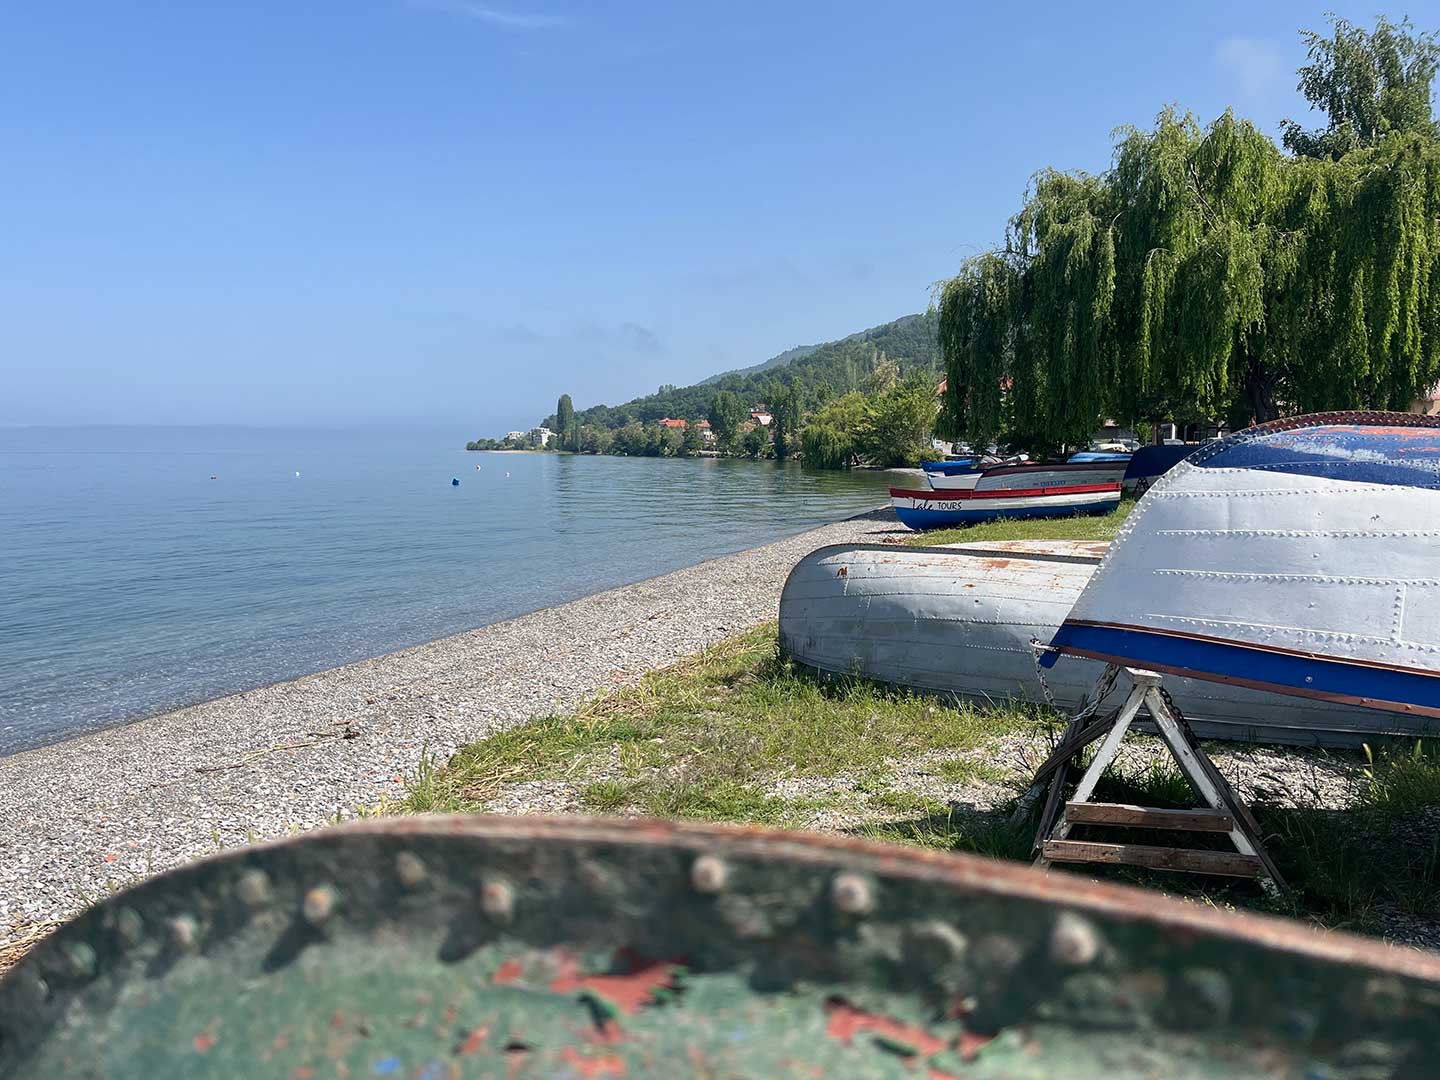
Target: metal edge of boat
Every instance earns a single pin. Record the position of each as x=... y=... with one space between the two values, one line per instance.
x=437 y=947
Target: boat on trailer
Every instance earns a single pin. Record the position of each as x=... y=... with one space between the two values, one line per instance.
x=995 y=497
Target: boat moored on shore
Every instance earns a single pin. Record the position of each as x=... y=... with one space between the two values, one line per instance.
x=922 y=510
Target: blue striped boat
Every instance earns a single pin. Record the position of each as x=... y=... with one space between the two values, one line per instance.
x=922 y=510
x=1298 y=557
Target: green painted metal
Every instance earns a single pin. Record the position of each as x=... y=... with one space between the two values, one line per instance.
x=439 y=948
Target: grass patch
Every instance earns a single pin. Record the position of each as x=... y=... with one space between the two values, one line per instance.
x=711 y=735
x=993 y=834
x=737 y=733
x=1089 y=527
x=1399 y=782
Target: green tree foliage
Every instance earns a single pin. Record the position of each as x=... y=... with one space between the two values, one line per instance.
x=884 y=373
x=565 y=423
x=1206 y=271
x=890 y=428
x=756 y=441
x=670 y=443
x=833 y=438
x=787 y=407
x=899 y=424
x=727 y=413
x=693 y=440
x=632 y=440
x=594 y=440
x=1368 y=83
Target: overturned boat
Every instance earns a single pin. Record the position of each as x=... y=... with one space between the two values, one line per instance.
x=1294 y=558
x=1279 y=555
x=960 y=621
x=1149 y=463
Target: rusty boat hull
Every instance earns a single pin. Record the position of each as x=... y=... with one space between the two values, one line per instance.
x=523 y=947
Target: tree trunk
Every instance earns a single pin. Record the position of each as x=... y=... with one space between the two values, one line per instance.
x=1258 y=390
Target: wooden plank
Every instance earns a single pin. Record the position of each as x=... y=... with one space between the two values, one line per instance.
x=1145 y=817
x=1224 y=863
x=1109 y=748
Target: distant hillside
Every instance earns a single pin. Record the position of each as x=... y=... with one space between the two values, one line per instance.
x=827 y=370
x=797 y=353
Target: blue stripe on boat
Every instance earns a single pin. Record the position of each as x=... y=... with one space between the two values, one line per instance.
x=1363 y=453
x=1337 y=679
x=950 y=468
x=939 y=519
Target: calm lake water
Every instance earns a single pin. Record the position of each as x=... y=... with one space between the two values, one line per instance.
x=131 y=582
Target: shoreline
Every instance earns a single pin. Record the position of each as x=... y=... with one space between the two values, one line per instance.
x=158 y=711
x=99 y=810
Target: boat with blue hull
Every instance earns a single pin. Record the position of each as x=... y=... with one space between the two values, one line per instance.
x=921 y=510
x=1295 y=558
x=1149 y=463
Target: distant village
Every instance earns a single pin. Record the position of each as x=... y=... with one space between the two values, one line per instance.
x=541 y=438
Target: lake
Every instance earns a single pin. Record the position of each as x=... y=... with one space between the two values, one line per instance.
x=143 y=569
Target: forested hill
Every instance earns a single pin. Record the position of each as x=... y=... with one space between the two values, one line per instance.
x=784 y=358
x=820 y=371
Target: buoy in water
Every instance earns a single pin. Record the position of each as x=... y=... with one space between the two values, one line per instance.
x=297 y=472
x=454 y=481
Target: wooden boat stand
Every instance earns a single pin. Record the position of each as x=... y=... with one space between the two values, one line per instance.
x=1226 y=813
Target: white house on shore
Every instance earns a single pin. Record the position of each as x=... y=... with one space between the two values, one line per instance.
x=541 y=436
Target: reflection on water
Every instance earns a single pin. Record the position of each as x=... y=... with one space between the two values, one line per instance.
x=134 y=582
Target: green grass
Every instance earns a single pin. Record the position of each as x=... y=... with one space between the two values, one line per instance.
x=706 y=737
x=1090 y=527
x=716 y=736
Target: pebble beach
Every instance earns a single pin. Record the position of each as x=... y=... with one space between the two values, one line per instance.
x=89 y=815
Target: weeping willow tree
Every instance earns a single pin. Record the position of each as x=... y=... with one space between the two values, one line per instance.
x=1207 y=273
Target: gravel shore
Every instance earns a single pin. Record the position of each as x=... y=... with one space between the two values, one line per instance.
x=81 y=818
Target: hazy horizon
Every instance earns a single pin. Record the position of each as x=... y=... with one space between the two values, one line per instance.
x=438 y=212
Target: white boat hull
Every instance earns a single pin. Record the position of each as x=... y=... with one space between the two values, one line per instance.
x=960 y=621
x=953 y=482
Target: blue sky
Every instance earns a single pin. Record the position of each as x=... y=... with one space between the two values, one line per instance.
x=446 y=213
